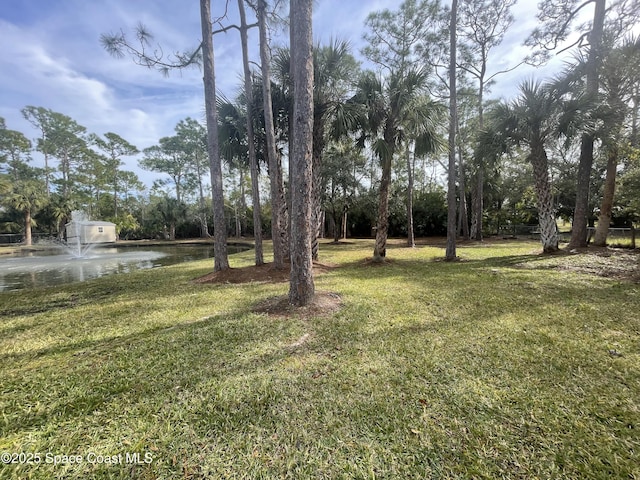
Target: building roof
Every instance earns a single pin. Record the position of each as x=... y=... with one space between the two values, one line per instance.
x=96 y=223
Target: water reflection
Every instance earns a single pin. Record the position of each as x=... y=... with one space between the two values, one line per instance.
x=49 y=267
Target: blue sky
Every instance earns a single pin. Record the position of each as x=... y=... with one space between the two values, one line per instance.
x=50 y=56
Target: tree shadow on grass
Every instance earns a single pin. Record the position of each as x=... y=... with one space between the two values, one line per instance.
x=428 y=267
x=139 y=367
x=436 y=266
x=154 y=365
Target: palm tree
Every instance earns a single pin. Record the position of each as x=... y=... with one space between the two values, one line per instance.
x=334 y=66
x=61 y=209
x=270 y=131
x=233 y=149
x=618 y=77
x=171 y=211
x=531 y=120
x=387 y=114
x=342 y=167
x=279 y=220
x=423 y=137
x=27 y=197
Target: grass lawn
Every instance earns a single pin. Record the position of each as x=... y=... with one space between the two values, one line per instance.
x=504 y=365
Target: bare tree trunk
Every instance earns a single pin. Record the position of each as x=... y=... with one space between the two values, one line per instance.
x=221 y=259
x=318 y=147
x=604 y=220
x=334 y=226
x=253 y=162
x=380 y=249
x=241 y=205
x=64 y=168
x=474 y=216
x=204 y=228
x=344 y=223
x=464 y=219
x=479 y=203
x=450 y=253
x=47 y=172
x=27 y=227
x=411 y=241
x=635 y=106
x=301 y=284
x=115 y=197
x=546 y=214
x=237 y=220
x=279 y=214
x=580 y=215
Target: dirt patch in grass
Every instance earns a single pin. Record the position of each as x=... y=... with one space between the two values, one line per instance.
x=323 y=304
x=370 y=262
x=257 y=273
x=623 y=264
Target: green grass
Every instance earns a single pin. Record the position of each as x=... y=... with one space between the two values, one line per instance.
x=498 y=366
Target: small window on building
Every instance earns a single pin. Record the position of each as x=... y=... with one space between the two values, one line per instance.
x=100 y=230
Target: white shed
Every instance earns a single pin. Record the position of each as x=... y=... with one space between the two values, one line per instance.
x=90 y=231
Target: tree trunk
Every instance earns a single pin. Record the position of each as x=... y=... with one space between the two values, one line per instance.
x=546 y=214
x=411 y=241
x=464 y=219
x=344 y=223
x=27 y=227
x=635 y=107
x=178 y=181
x=334 y=225
x=301 y=285
x=380 y=249
x=581 y=212
x=221 y=260
x=450 y=253
x=237 y=221
x=479 y=203
x=204 y=228
x=253 y=162
x=318 y=147
x=604 y=220
x=64 y=168
x=47 y=171
x=279 y=214
x=474 y=223
x=241 y=204
x=115 y=197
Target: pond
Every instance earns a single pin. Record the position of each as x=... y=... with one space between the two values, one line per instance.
x=56 y=267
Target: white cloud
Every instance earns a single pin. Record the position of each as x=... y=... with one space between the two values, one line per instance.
x=100 y=93
x=52 y=57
